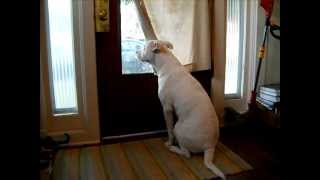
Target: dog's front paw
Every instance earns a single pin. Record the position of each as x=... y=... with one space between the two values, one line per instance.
x=187 y=154
x=168 y=144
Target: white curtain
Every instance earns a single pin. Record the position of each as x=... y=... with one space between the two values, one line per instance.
x=185 y=23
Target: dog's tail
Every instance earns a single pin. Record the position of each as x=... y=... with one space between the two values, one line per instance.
x=208 y=158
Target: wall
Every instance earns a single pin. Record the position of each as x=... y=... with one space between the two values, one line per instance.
x=270 y=70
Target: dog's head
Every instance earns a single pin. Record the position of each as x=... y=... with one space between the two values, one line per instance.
x=151 y=48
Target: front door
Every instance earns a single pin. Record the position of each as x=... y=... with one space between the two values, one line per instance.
x=128 y=100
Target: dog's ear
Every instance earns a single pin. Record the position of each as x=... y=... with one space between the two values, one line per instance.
x=155 y=47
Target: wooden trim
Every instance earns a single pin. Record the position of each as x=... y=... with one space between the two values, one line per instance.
x=88 y=71
x=211 y=15
x=133 y=136
x=81 y=144
x=219 y=56
x=77 y=136
x=71 y=132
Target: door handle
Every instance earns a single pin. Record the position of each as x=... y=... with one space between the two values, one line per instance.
x=102 y=15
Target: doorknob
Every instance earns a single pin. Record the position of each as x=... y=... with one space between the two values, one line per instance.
x=102 y=15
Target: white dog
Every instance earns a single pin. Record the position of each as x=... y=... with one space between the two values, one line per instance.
x=197 y=128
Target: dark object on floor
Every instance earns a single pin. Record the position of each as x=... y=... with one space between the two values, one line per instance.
x=260 y=148
x=49 y=143
x=48 y=149
x=232 y=117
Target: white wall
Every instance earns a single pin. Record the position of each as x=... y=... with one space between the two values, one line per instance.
x=270 y=71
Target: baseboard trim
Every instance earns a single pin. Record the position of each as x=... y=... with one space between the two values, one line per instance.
x=133 y=136
x=81 y=144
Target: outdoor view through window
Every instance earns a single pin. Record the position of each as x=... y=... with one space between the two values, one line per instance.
x=132 y=39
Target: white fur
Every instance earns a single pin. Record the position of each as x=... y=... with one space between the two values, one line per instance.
x=197 y=128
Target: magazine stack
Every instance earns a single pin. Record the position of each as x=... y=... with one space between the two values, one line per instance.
x=269 y=96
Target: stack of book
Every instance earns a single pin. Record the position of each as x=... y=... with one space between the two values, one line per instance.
x=269 y=95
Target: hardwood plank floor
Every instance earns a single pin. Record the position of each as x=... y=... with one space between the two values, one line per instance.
x=91 y=166
x=141 y=159
x=116 y=163
x=169 y=162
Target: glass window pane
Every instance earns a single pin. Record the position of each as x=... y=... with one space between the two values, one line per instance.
x=63 y=80
x=132 y=38
x=234 y=47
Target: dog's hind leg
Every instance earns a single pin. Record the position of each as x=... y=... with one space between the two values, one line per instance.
x=181 y=151
x=208 y=158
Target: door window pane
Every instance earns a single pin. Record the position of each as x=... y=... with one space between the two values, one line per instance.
x=132 y=38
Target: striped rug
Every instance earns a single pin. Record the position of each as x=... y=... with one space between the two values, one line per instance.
x=143 y=159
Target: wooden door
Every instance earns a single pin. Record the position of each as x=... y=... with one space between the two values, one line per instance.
x=127 y=103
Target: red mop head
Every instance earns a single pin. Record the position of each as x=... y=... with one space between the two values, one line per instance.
x=267 y=6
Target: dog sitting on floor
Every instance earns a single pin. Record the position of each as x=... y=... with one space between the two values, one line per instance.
x=197 y=127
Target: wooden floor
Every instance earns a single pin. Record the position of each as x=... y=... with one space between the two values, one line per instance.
x=143 y=159
x=258 y=147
